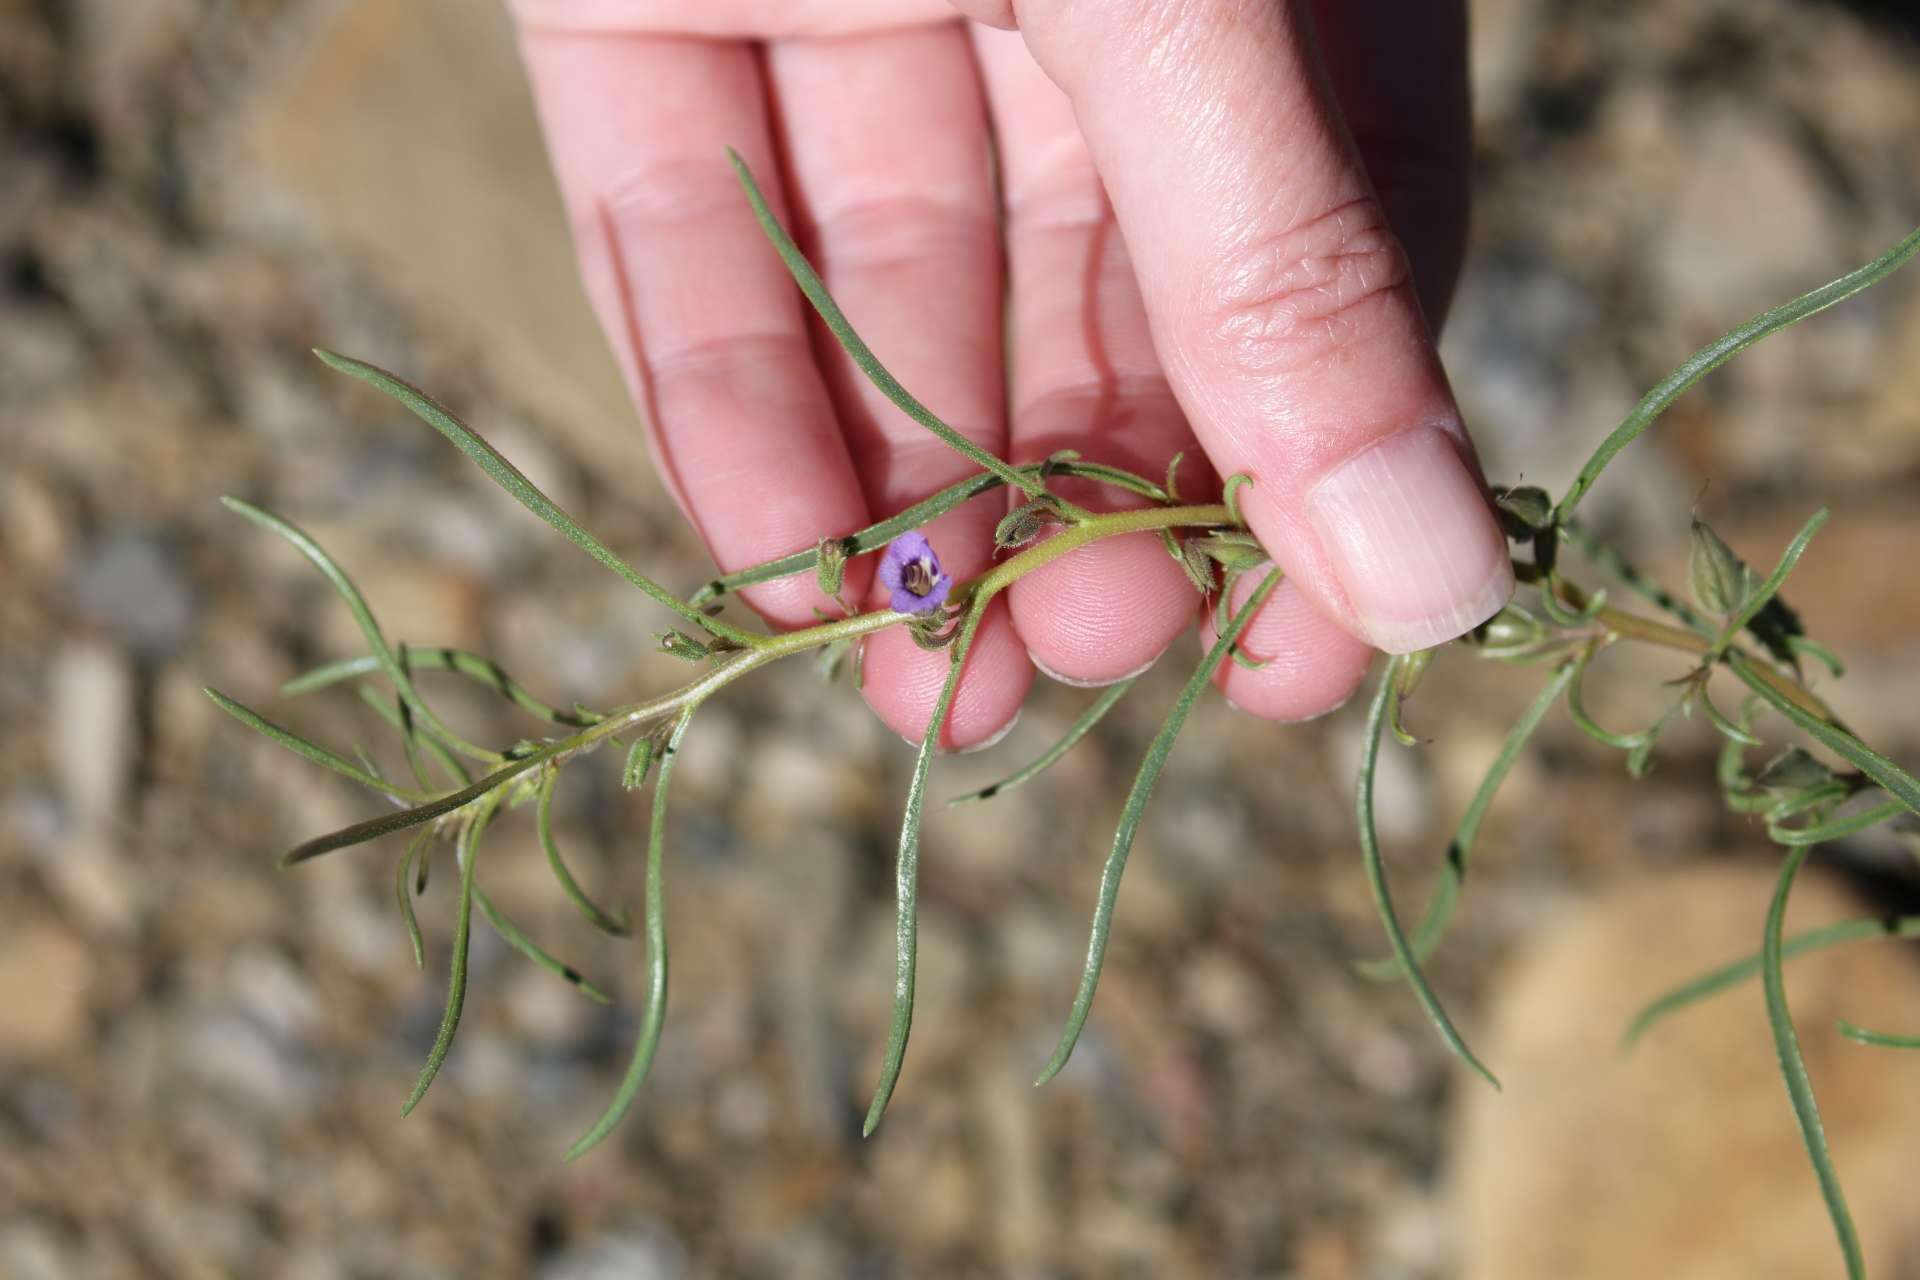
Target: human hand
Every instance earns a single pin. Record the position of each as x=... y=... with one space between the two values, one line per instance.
x=1259 y=303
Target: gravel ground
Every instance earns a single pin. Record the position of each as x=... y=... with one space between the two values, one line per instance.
x=202 y=1059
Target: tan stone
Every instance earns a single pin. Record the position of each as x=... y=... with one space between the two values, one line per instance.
x=45 y=974
x=1683 y=1160
x=408 y=134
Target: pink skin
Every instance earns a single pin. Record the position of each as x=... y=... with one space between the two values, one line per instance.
x=1266 y=320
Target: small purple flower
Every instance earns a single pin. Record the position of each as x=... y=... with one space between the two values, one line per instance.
x=912 y=572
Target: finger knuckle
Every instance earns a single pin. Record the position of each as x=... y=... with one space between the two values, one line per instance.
x=1300 y=297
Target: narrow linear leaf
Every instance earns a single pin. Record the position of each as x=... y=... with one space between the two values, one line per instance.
x=462 y=932
x=400 y=887
x=310 y=751
x=1136 y=804
x=475 y=667
x=1453 y=871
x=1836 y=828
x=374 y=828
x=1109 y=697
x=396 y=714
x=1802 y=647
x=1732 y=974
x=1231 y=495
x=1892 y=779
x=1718 y=352
x=523 y=490
x=363 y=617
x=1879 y=1039
x=906 y=875
x=1577 y=708
x=1793 y=1068
x=857 y=350
x=1718 y=718
x=1377 y=879
x=517 y=938
x=606 y=922
x=654 y=911
x=1557 y=609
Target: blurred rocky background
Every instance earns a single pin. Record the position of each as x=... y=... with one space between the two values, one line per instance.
x=202 y=1059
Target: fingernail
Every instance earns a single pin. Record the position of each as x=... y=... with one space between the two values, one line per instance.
x=1412 y=541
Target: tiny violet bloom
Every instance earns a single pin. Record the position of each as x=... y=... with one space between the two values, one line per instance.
x=911 y=571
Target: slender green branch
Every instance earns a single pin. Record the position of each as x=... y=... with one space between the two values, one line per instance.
x=907 y=871
x=1080 y=728
x=1747 y=967
x=363 y=617
x=1130 y=815
x=654 y=911
x=862 y=355
x=1453 y=871
x=311 y=751
x=1890 y=777
x=462 y=931
x=1761 y=597
x=1879 y=1039
x=615 y=924
x=481 y=670
x=1377 y=879
x=1793 y=1068
x=523 y=490
x=1718 y=352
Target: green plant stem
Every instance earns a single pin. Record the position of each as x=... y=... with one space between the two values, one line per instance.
x=730 y=666
x=1633 y=626
x=1718 y=352
x=1793 y=1068
x=1377 y=878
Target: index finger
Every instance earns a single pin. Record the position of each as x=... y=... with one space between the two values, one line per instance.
x=704 y=321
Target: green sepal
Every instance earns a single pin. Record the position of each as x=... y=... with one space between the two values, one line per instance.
x=1024 y=523
x=678 y=644
x=1406 y=678
x=633 y=775
x=1198 y=567
x=830 y=568
x=1524 y=510
x=1719 y=579
x=1234 y=552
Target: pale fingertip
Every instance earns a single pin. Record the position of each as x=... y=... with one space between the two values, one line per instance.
x=903 y=681
x=1105 y=612
x=1310 y=666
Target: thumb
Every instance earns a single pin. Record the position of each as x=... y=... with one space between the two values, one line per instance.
x=1281 y=303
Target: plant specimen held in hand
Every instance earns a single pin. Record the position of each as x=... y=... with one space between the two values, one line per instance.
x=1739 y=627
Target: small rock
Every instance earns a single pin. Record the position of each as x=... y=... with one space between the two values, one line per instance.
x=1682 y=1159
x=1751 y=226
x=1222 y=994
x=651 y=1252
x=33 y=526
x=243 y=1059
x=91 y=689
x=133 y=584
x=45 y=976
